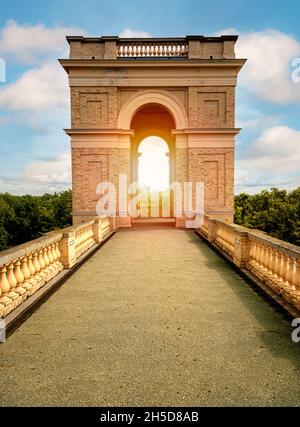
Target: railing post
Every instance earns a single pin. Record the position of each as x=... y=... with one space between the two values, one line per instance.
x=113 y=222
x=241 y=248
x=211 y=229
x=110 y=47
x=195 y=47
x=97 y=230
x=67 y=249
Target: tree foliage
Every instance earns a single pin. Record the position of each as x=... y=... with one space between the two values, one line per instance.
x=23 y=218
x=277 y=212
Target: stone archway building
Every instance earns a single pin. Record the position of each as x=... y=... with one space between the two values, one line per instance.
x=182 y=89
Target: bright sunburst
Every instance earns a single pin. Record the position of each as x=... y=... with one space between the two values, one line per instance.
x=153 y=169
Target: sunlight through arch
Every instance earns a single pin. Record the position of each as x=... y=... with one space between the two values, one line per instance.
x=153 y=166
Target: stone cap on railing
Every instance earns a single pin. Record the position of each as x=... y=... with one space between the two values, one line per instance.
x=24 y=249
x=286 y=247
x=189 y=47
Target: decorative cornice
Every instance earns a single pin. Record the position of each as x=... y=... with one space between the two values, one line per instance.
x=150 y=63
x=198 y=37
x=195 y=131
x=102 y=131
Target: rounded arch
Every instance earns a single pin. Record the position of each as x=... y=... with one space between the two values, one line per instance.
x=141 y=99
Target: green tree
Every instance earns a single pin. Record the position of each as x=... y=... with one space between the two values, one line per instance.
x=276 y=212
x=23 y=218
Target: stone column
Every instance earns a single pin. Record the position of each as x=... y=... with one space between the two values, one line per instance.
x=124 y=180
x=181 y=174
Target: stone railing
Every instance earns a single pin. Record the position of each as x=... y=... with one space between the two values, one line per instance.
x=84 y=238
x=26 y=268
x=274 y=262
x=152 y=48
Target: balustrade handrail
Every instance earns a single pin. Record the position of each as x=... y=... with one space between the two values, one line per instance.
x=152 y=48
x=25 y=268
x=274 y=262
x=262 y=236
x=23 y=249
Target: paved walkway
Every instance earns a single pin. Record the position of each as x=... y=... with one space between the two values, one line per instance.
x=155 y=317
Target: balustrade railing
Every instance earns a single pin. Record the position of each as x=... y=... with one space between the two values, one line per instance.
x=84 y=238
x=26 y=268
x=152 y=48
x=277 y=264
x=225 y=237
x=274 y=262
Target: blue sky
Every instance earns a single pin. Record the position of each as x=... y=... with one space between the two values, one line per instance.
x=34 y=152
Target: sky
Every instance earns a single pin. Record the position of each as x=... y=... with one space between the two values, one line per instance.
x=34 y=98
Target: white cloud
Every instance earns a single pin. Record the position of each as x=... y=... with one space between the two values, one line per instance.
x=272 y=160
x=268 y=70
x=55 y=171
x=129 y=33
x=41 y=176
x=28 y=43
x=42 y=88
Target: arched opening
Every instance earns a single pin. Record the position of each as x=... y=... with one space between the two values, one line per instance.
x=152 y=159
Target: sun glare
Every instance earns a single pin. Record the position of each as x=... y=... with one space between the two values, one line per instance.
x=153 y=169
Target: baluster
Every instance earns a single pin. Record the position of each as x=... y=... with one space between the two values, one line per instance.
x=47 y=263
x=296 y=276
x=278 y=266
x=82 y=241
x=251 y=253
x=268 y=260
x=284 y=268
x=290 y=270
x=4 y=286
x=264 y=258
x=50 y=257
x=256 y=254
x=274 y=266
x=78 y=242
x=11 y=277
x=19 y=276
x=259 y=256
x=13 y=294
x=42 y=264
x=33 y=280
x=26 y=273
x=54 y=258
x=58 y=255
x=38 y=277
